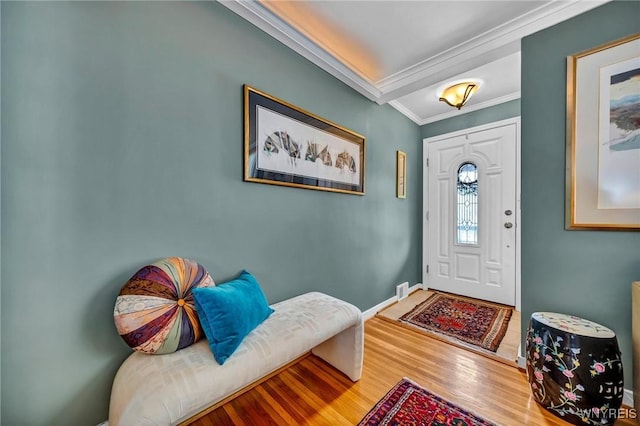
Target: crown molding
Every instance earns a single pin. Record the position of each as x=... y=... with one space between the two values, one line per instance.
x=493 y=44
x=471 y=108
x=262 y=18
x=454 y=112
x=406 y=112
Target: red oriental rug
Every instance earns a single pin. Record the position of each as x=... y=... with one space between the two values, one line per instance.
x=410 y=404
x=471 y=321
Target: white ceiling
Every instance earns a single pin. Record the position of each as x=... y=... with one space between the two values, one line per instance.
x=404 y=52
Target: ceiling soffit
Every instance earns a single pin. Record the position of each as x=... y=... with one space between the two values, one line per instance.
x=329 y=48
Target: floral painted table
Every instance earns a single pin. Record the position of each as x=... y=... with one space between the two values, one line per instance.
x=574 y=368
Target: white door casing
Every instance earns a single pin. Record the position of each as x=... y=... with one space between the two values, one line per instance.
x=488 y=270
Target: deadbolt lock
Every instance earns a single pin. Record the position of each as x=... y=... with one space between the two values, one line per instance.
x=508 y=212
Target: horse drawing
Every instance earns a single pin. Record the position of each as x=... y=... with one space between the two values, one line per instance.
x=312 y=152
x=281 y=140
x=325 y=157
x=346 y=160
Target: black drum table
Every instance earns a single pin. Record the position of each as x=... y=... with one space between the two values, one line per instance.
x=574 y=368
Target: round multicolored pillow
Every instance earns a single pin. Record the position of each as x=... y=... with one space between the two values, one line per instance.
x=155 y=311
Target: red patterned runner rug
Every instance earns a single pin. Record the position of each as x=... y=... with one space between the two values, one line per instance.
x=410 y=404
x=468 y=320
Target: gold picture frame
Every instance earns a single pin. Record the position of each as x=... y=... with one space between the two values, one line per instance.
x=603 y=137
x=286 y=145
x=401 y=174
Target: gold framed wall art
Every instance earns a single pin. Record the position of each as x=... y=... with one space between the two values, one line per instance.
x=286 y=145
x=603 y=137
x=401 y=174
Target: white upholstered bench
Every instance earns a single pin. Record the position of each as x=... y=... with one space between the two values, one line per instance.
x=170 y=389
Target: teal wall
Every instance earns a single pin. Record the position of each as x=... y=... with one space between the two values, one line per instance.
x=472 y=119
x=122 y=144
x=585 y=273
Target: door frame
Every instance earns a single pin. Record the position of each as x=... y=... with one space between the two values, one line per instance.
x=425 y=196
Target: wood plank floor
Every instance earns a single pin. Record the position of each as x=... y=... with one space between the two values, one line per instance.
x=311 y=392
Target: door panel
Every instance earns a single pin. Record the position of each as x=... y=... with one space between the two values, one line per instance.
x=485 y=270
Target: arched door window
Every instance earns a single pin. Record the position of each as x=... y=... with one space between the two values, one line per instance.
x=467 y=204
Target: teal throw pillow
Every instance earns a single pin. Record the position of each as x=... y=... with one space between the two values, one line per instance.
x=229 y=311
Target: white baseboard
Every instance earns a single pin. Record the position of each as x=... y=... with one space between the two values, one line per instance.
x=370 y=313
x=627 y=398
x=415 y=287
x=519 y=353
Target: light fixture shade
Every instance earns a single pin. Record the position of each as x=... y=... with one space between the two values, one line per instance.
x=458 y=94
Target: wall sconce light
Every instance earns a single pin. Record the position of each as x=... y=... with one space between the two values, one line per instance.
x=458 y=94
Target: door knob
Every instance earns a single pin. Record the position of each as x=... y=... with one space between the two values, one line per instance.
x=508 y=225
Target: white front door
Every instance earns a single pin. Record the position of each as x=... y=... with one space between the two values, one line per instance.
x=470 y=228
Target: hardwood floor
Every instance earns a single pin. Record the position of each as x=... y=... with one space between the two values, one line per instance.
x=312 y=392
